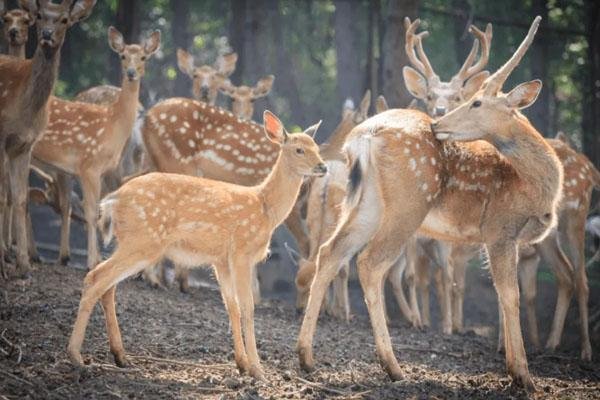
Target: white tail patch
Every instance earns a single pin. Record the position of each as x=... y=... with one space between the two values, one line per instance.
x=105 y=221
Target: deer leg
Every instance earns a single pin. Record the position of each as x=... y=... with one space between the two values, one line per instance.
x=4 y=210
x=423 y=277
x=411 y=282
x=90 y=186
x=243 y=284
x=255 y=286
x=500 y=346
x=446 y=295
x=182 y=276
x=458 y=293
x=33 y=253
x=395 y=276
x=503 y=262
x=96 y=284
x=112 y=327
x=63 y=187
x=528 y=266
x=340 y=304
x=19 y=174
x=228 y=291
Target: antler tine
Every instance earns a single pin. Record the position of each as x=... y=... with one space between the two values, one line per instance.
x=415 y=40
x=468 y=69
x=462 y=72
x=495 y=82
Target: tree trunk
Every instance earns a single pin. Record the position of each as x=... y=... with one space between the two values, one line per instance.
x=127 y=21
x=591 y=111
x=372 y=76
x=238 y=38
x=349 y=76
x=181 y=39
x=539 y=112
x=462 y=39
x=393 y=54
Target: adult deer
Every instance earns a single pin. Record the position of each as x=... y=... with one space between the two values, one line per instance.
x=25 y=87
x=198 y=221
x=207 y=79
x=243 y=97
x=403 y=180
x=16 y=25
x=86 y=140
x=580 y=178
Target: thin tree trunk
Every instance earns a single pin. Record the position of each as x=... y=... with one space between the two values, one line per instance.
x=238 y=38
x=539 y=112
x=181 y=39
x=591 y=112
x=462 y=38
x=349 y=82
x=394 y=56
x=127 y=21
x=372 y=78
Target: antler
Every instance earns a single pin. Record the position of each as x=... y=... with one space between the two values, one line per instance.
x=468 y=69
x=415 y=40
x=494 y=83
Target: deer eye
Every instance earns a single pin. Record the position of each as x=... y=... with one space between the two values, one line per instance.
x=476 y=103
x=122 y=56
x=143 y=58
x=429 y=97
x=457 y=98
x=64 y=21
x=39 y=16
x=299 y=151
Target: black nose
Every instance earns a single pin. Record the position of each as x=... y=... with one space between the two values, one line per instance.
x=434 y=125
x=131 y=73
x=204 y=91
x=439 y=111
x=47 y=34
x=321 y=168
x=13 y=33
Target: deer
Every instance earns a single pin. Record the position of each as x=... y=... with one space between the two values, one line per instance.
x=243 y=97
x=199 y=221
x=405 y=177
x=582 y=176
x=16 y=25
x=207 y=79
x=26 y=86
x=95 y=135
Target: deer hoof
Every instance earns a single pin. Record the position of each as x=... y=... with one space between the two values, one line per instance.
x=64 y=260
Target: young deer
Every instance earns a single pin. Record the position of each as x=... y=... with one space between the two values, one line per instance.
x=580 y=177
x=16 y=28
x=86 y=140
x=243 y=97
x=198 y=221
x=403 y=180
x=25 y=87
x=207 y=79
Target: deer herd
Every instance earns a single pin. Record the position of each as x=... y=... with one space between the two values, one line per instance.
x=410 y=194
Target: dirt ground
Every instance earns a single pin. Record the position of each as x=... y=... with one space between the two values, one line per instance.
x=180 y=347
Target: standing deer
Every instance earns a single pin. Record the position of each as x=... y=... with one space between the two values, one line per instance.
x=403 y=180
x=86 y=140
x=25 y=87
x=243 y=97
x=580 y=178
x=16 y=25
x=198 y=221
x=207 y=79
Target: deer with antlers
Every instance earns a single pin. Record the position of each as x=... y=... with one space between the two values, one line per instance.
x=94 y=136
x=198 y=221
x=16 y=25
x=25 y=88
x=207 y=80
x=580 y=178
x=403 y=180
x=243 y=97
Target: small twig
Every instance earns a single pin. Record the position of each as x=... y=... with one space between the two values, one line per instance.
x=212 y=389
x=322 y=386
x=112 y=368
x=555 y=356
x=179 y=362
x=567 y=389
x=12 y=347
x=16 y=378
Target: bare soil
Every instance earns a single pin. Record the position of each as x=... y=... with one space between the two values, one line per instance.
x=180 y=347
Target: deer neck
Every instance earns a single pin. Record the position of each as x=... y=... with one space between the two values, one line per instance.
x=124 y=111
x=44 y=70
x=333 y=147
x=279 y=190
x=532 y=158
x=17 y=51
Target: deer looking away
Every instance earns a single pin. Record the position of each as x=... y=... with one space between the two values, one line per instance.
x=207 y=79
x=243 y=97
x=25 y=87
x=16 y=25
x=86 y=140
x=403 y=180
x=565 y=256
x=198 y=221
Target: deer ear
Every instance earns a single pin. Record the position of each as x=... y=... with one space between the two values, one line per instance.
x=381 y=104
x=274 y=128
x=226 y=64
x=415 y=82
x=474 y=84
x=81 y=10
x=152 y=43
x=115 y=40
x=227 y=88
x=312 y=130
x=365 y=103
x=185 y=62
x=28 y=5
x=525 y=94
x=263 y=87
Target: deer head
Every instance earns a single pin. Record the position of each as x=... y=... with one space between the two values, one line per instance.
x=243 y=96
x=423 y=83
x=488 y=113
x=16 y=25
x=207 y=79
x=53 y=20
x=133 y=56
x=298 y=147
